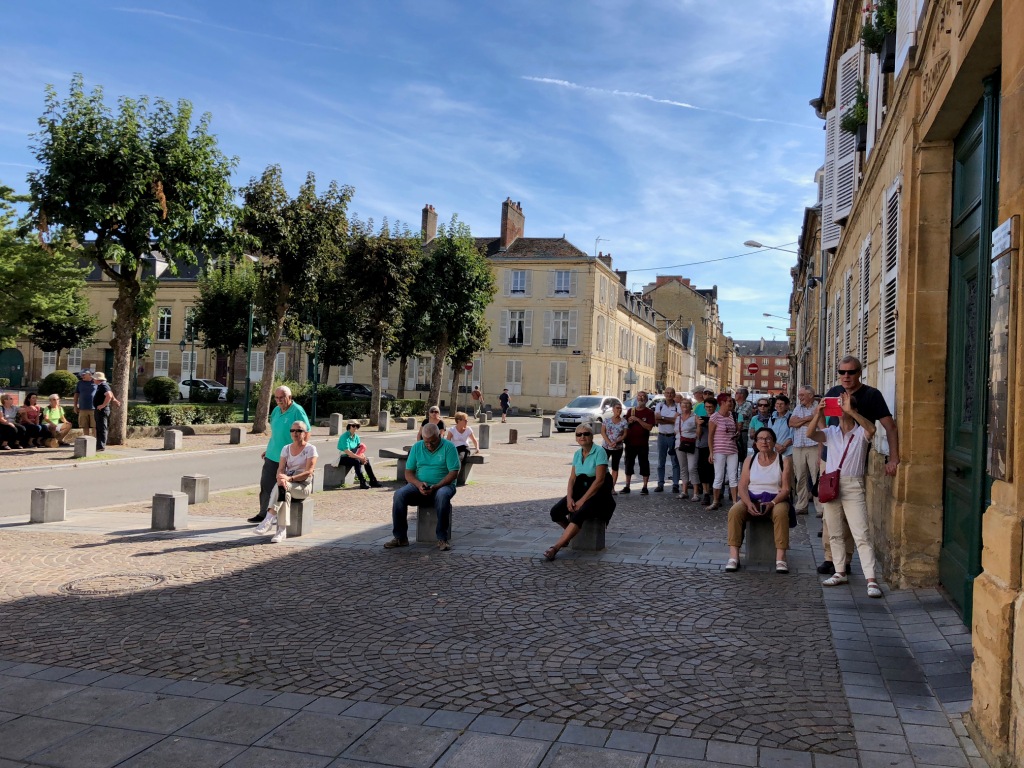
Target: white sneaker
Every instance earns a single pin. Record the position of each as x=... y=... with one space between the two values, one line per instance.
x=268 y=522
x=280 y=536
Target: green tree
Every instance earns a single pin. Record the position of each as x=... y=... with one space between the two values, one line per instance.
x=36 y=282
x=227 y=292
x=68 y=327
x=146 y=178
x=379 y=270
x=296 y=239
x=474 y=338
x=453 y=288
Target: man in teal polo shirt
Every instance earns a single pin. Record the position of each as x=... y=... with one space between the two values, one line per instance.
x=430 y=473
x=283 y=415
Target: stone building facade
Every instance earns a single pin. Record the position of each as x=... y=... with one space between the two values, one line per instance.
x=772 y=360
x=920 y=273
x=683 y=303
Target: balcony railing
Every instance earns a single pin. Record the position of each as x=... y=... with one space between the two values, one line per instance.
x=515 y=342
x=559 y=342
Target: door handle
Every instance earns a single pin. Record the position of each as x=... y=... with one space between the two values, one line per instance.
x=960 y=471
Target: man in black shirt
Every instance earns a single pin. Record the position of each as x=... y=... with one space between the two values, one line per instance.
x=872 y=406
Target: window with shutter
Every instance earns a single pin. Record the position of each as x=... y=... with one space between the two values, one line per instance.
x=887 y=319
x=504 y=332
x=875 y=88
x=346 y=374
x=50 y=363
x=411 y=373
x=600 y=333
x=528 y=328
x=255 y=366
x=74 y=359
x=864 y=303
x=563 y=282
x=280 y=364
x=848 y=299
x=829 y=228
x=518 y=285
x=161 y=362
x=556 y=378
x=560 y=328
x=514 y=377
x=907 y=14
x=548 y=314
x=837 y=325
x=516 y=327
x=851 y=69
x=163 y=324
x=188 y=365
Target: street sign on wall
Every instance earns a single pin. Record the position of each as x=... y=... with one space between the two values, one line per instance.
x=753 y=368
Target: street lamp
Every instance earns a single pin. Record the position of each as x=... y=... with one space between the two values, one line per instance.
x=756 y=244
x=769 y=314
x=192 y=355
x=145 y=348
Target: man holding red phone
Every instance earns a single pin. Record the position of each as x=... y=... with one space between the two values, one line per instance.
x=872 y=406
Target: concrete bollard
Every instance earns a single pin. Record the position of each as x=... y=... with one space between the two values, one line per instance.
x=318 y=479
x=426 y=525
x=334 y=476
x=590 y=538
x=170 y=512
x=49 y=504
x=481 y=417
x=85 y=446
x=237 y=436
x=513 y=436
x=172 y=439
x=485 y=437
x=336 y=420
x=545 y=427
x=410 y=423
x=383 y=421
x=196 y=487
x=490 y=414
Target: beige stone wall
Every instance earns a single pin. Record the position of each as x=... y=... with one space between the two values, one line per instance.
x=683 y=303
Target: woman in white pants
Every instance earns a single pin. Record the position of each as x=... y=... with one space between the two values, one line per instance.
x=725 y=453
x=847 y=445
x=686 y=447
x=294 y=480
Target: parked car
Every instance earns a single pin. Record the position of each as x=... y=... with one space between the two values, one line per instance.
x=185 y=388
x=360 y=392
x=652 y=400
x=583 y=409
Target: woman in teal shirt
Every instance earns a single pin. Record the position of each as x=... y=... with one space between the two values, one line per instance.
x=589 y=493
x=353 y=454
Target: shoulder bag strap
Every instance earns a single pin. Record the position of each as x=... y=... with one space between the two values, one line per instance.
x=848 y=444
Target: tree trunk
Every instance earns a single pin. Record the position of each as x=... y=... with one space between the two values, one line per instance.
x=58 y=368
x=455 y=392
x=259 y=422
x=325 y=373
x=375 y=357
x=232 y=359
x=403 y=371
x=125 y=323
x=435 y=377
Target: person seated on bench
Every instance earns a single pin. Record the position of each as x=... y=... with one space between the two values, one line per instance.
x=294 y=481
x=589 y=493
x=433 y=417
x=55 y=421
x=764 y=490
x=353 y=455
x=461 y=435
x=430 y=472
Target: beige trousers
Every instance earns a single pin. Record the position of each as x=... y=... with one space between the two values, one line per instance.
x=851 y=507
x=805 y=468
x=739 y=514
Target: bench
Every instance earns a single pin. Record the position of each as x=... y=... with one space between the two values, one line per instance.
x=467 y=467
x=401 y=456
x=759 y=541
x=426 y=524
x=590 y=538
x=300 y=517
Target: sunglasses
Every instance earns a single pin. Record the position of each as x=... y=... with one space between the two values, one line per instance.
x=297 y=431
x=584 y=434
x=851 y=372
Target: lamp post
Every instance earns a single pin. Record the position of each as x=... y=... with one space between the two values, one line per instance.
x=135 y=368
x=756 y=244
x=769 y=314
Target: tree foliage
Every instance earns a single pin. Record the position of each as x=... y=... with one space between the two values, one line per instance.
x=296 y=240
x=122 y=184
x=71 y=326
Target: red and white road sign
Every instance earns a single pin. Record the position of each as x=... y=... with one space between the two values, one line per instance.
x=468 y=366
x=753 y=368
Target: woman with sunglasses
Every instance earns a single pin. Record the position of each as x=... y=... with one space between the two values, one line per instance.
x=353 y=455
x=433 y=417
x=294 y=481
x=588 y=494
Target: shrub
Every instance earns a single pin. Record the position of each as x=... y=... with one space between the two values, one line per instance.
x=197 y=395
x=143 y=416
x=61 y=383
x=71 y=416
x=161 y=390
x=234 y=394
x=5 y=383
x=404 y=408
x=179 y=415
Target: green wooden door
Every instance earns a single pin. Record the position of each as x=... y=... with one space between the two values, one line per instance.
x=12 y=367
x=965 y=485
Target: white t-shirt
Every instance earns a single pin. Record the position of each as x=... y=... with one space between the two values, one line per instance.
x=458 y=439
x=666 y=411
x=835 y=441
x=295 y=464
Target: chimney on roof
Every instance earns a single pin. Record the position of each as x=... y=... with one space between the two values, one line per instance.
x=622 y=275
x=686 y=281
x=512 y=223
x=429 y=228
x=606 y=258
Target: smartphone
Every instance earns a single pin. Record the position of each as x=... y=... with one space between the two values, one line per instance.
x=764 y=507
x=832 y=407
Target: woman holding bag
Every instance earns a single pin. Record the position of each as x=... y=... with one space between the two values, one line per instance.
x=686 y=447
x=847 y=445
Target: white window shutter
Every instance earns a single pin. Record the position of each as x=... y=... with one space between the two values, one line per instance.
x=529 y=282
x=829 y=229
x=528 y=328
x=551 y=282
x=574 y=316
x=848 y=299
x=503 y=334
x=850 y=70
x=510 y=371
x=507 y=290
x=547 y=327
x=865 y=299
x=874 y=100
x=573 y=281
x=907 y=13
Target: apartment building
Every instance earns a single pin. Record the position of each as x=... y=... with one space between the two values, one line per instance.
x=684 y=304
x=772 y=361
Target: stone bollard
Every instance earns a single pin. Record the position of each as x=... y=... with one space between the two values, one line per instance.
x=513 y=436
x=85 y=446
x=334 y=476
x=336 y=420
x=410 y=423
x=49 y=504
x=318 y=479
x=170 y=512
x=590 y=538
x=196 y=487
x=172 y=439
x=490 y=414
x=237 y=436
x=485 y=437
x=545 y=427
x=383 y=421
x=482 y=417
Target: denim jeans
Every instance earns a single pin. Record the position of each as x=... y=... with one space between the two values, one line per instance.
x=409 y=496
x=667 y=448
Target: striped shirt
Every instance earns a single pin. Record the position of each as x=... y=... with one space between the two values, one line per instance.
x=725 y=434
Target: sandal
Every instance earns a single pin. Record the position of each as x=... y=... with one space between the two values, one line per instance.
x=781 y=566
x=551 y=553
x=835 y=580
x=732 y=566
x=874 y=590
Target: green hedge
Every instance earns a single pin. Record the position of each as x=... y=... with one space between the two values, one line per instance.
x=330 y=400
x=179 y=415
x=4 y=383
x=61 y=383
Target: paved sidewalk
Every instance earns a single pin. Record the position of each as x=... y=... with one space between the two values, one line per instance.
x=210 y=647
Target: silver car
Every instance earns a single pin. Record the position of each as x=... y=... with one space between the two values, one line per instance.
x=583 y=410
x=207 y=384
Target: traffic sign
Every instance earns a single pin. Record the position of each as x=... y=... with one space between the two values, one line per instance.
x=468 y=366
x=753 y=368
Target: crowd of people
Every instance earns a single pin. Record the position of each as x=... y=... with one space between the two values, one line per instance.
x=31 y=425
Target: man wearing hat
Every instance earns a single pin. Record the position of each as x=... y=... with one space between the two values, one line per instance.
x=85 y=395
x=101 y=400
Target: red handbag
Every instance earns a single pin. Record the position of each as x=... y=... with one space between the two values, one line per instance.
x=828 y=483
x=361 y=449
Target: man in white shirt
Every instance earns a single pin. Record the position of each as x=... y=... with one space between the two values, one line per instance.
x=665 y=415
x=805 y=452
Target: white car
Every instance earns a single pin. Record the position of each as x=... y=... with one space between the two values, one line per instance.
x=186 y=387
x=583 y=410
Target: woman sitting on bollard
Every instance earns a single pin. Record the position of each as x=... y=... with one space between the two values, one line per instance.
x=461 y=435
x=433 y=417
x=353 y=455
x=589 y=493
x=764 y=491
x=294 y=481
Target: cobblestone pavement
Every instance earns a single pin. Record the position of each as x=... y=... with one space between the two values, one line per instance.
x=210 y=646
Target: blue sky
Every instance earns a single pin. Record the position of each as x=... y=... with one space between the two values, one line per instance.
x=673 y=129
